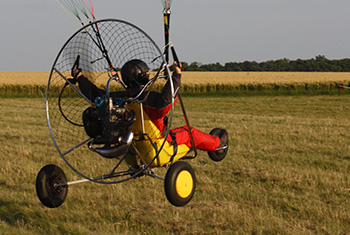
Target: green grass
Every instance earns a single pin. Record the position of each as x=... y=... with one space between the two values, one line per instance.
x=287 y=172
x=306 y=88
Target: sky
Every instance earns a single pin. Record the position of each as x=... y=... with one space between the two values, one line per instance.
x=203 y=31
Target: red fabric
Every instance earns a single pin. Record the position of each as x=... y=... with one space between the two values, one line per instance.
x=157 y=115
x=203 y=141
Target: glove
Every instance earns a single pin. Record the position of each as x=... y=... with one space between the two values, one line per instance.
x=76 y=72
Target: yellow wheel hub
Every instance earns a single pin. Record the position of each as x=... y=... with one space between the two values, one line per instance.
x=184 y=184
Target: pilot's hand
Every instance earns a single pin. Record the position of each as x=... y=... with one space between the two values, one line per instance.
x=177 y=67
x=76 y=73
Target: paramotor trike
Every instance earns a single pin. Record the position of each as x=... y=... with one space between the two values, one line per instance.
x=118 y=129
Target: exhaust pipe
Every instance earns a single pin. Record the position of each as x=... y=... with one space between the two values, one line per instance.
x=116 y=151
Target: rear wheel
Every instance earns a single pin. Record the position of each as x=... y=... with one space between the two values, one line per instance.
x=219 y=155
x=49 y=186
x=180 y=183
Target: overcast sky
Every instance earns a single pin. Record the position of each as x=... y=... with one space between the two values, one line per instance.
x=205 y=31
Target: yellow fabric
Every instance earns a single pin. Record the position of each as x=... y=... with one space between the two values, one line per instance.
x=144 y=142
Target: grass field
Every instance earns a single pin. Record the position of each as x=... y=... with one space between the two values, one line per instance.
x=287 y=172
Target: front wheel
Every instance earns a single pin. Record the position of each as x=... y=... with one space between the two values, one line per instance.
x=51 y=186
x=180 y=183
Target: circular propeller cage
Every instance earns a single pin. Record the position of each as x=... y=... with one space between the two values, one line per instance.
x=102 y=47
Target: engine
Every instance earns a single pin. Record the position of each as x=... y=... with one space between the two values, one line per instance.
x=109 y=124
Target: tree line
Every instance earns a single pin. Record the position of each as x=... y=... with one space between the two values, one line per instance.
x=318 y=64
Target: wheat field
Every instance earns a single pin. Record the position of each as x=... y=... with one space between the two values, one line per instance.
x=198 y=78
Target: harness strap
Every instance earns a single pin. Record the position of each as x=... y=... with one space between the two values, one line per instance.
x=174 y=143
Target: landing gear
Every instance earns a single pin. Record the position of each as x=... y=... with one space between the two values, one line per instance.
x=51 y=186
x=180 y=183
x=220 y=153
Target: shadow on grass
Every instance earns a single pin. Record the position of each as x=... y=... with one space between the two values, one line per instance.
x=12 y=213
x=19 y=216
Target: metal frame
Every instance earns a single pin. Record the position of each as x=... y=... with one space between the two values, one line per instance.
x=145 y=169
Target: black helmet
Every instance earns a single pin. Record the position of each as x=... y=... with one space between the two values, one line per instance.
x=134 y=73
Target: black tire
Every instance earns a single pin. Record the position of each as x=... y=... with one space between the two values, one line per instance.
x=50 y=195
x=180 y=183
x=219 y=155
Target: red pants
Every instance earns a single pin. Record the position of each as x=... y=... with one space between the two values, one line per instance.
x=202 y=140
